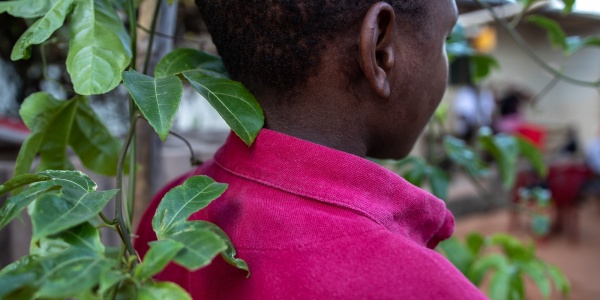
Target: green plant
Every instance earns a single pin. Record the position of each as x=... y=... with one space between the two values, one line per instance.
x=67 y=258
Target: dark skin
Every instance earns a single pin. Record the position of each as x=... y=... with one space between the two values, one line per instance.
x=377 y=86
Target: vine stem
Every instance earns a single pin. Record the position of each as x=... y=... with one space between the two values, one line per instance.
x=174 y=37
x=152 y=34
x=193 y=159
x=123 y=227
x=133 y=110
x=531 y=53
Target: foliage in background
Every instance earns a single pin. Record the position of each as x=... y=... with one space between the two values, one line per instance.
x=67 y=258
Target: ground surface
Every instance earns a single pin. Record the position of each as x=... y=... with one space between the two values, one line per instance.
x=580 y=261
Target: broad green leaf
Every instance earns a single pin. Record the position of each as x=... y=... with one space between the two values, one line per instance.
x=99 y=48
x=201 y=246
x=556 y=35
x=505 y=150
x=19 y=279
x=461 y=154
x=482 y=65
x=457 y=254
x=42 y=29
x=514 y=249
x=93 y=142
x=57 y=124
x=568 y=5
x=475 y=241
x=517 y=287
x=183 y=59
x=413 y=169
x=236 y=105
x=481 y=266
x=157 y=98
x=20 y=181
x=439 y=182
x=229 y=254
x=529 y=151
x=158 y=257
x=55 y=212
x=27 y=9
x=559 y=279
x=500 y=284
x=15 y=204
x=182 y=201
x=537 y=272
x=108 y=279
x=163 y=291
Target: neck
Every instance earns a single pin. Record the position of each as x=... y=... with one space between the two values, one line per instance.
x=328 y=120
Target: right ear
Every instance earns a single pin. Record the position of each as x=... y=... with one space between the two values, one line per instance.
x=377 y=38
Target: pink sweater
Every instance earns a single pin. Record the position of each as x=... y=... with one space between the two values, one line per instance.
x=316 y=223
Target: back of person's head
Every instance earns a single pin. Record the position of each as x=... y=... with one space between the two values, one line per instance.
x=277 y=43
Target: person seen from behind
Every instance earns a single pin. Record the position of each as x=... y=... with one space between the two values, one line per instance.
x=338 y=81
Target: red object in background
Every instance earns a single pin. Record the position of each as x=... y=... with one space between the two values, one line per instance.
x=534 y=133
x=565 y=182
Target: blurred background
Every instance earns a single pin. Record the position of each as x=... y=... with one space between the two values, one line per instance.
x=494 y=83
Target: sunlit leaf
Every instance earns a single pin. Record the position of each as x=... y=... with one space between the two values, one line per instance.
x=163 y=291
x=481 y=266
x=160 y=254
x=182 y=201
x=27 y=8
x=157 y=98
x=42 y=29
x=183 y=59
x=99 y=48
x=236 y=105
x=54 y=212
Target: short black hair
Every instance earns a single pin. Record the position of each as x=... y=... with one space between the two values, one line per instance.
x=277 y=43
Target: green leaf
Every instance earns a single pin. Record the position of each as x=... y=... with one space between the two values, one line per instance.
x=559 y=279
x=15 y=204
x=42 y=29
x=201 y=246
x=163 y=291
x=108 y=279
x=99 y=48
x=475 y=242
x=182 y=201
x=505 y=150
x=568 y=5
x=27 y=9
x=158 y=257
x=457 y=254
x=19 y=279
x=556 y=35
x=533 y=155
x=229 y=254
x=481 y=266
x=482 y=66
x=517 y=287
x=96 y=147
x=236 y=105
x=414 y=169
x=514 y=249
x=500 y=284
x=55 y=212
x=183 y=59
x=20 y=181
x=56 y=124
x=536 y=271
x=461 y=154
x=157 y=98
x=439 y=182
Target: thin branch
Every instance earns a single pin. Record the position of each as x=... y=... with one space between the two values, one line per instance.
x=132 y=32
x=531 y=53
x=152 y=34
x=551 y=85
x=194 y=161
x=107 y=220
x=122 y=226
x=164 y=35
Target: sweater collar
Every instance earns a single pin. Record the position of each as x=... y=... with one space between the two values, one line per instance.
x=341 y=179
